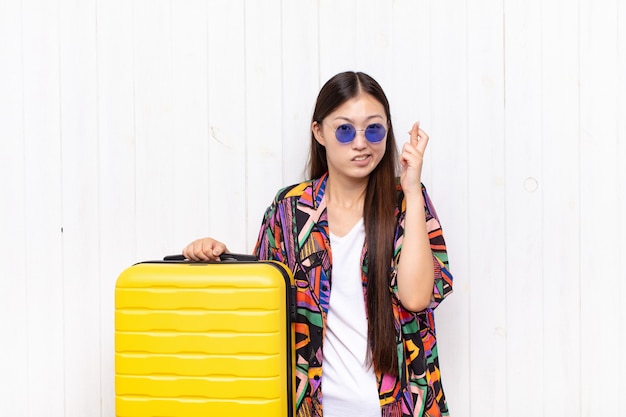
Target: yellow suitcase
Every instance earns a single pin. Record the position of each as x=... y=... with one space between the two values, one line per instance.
x=204 y=339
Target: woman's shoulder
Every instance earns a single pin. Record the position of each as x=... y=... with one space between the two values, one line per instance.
x=293 y=190
x=306 y=189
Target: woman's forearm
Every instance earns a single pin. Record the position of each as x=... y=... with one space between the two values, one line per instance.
x=415 y=267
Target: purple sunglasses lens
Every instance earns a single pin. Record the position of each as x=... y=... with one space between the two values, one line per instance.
x=375 y=132
x=345 y=133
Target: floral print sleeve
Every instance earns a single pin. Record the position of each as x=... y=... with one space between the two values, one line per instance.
x=443 y=279
x=418 y=329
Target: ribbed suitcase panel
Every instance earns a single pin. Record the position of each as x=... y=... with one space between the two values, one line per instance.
x=198 y=364
x=193 y=407
x=202 y=340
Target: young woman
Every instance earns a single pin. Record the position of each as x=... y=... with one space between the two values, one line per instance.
x=368 y=257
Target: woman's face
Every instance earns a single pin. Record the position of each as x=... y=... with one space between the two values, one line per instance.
x=358 y=158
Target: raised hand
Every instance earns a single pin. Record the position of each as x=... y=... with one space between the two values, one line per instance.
x=412 y=160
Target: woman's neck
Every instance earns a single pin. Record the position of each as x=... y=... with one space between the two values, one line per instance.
x=346 y=194
x=344 y=203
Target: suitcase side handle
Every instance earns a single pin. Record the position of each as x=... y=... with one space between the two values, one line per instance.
x=225 y=257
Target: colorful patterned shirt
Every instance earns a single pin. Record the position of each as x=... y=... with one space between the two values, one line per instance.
x=295 y=232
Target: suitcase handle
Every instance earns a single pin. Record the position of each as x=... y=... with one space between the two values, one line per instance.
x=224 y=257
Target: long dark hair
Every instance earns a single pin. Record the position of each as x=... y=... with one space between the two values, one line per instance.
x=378 y=214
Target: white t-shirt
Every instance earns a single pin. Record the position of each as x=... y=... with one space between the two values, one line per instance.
x=349 y=385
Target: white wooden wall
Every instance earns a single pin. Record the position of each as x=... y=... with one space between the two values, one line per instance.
x=130 y=127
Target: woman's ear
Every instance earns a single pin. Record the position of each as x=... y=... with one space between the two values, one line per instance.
x=316 y=128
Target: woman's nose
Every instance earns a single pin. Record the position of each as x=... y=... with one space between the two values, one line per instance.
x=360 y=140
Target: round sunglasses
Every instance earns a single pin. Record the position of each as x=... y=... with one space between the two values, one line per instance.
x=374 y=133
